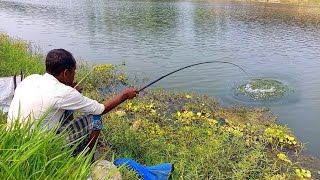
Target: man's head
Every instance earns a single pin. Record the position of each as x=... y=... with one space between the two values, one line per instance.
x=62 y=65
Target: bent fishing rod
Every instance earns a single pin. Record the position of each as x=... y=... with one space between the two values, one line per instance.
x=207 y=62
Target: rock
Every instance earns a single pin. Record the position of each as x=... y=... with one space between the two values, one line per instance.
x=105 y=170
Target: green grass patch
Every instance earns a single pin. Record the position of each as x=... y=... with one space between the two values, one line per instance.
x=201 y=138
x=17 y=55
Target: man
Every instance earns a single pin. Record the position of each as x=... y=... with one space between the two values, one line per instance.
x=47 y=97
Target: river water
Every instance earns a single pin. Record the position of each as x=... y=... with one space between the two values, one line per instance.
x=155 y=37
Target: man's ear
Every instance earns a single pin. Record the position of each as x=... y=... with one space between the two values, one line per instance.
x=65 y=72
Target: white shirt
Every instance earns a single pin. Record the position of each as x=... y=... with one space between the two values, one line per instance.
x=43 y=95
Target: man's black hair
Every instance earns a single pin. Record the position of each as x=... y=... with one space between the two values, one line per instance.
x=58 y=60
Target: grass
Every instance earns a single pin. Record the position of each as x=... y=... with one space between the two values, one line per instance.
x=27 y=152
x=17 y=55
x=203 y=139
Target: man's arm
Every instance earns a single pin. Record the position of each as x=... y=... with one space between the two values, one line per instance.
x=118 y=99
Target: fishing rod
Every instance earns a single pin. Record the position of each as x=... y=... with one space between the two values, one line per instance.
x=207 y=62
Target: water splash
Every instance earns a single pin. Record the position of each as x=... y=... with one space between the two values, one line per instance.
x=263 y=89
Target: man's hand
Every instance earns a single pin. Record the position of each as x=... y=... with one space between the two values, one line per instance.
x=118 y=99
x=130 y=93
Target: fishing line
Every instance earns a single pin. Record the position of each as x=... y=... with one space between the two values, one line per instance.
x=207 y=62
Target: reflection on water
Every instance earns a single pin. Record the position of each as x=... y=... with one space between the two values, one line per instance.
x=156 y=37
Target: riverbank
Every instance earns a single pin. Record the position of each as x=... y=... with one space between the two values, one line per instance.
x=203 y=139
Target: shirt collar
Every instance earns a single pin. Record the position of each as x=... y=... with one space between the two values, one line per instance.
x=50 y=77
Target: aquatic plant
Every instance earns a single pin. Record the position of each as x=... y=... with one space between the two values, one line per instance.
x=277 y=136
x=284 y=158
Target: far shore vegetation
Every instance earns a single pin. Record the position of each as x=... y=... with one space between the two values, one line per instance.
x=203 y=139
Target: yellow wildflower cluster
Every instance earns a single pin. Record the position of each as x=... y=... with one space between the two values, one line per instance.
x=188 y=117
x=236 y=130
x=103 y=68
x=284 y=158
x=185 y=116
x=140 y=107
x=123 y=78
x=303 y=174
x=277 y=135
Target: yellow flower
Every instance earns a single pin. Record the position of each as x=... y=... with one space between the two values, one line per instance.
x=283 y=157
x=150 y=106
x=102 y=68
x=212 y=121
x=302 y=174
x=153 y=112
